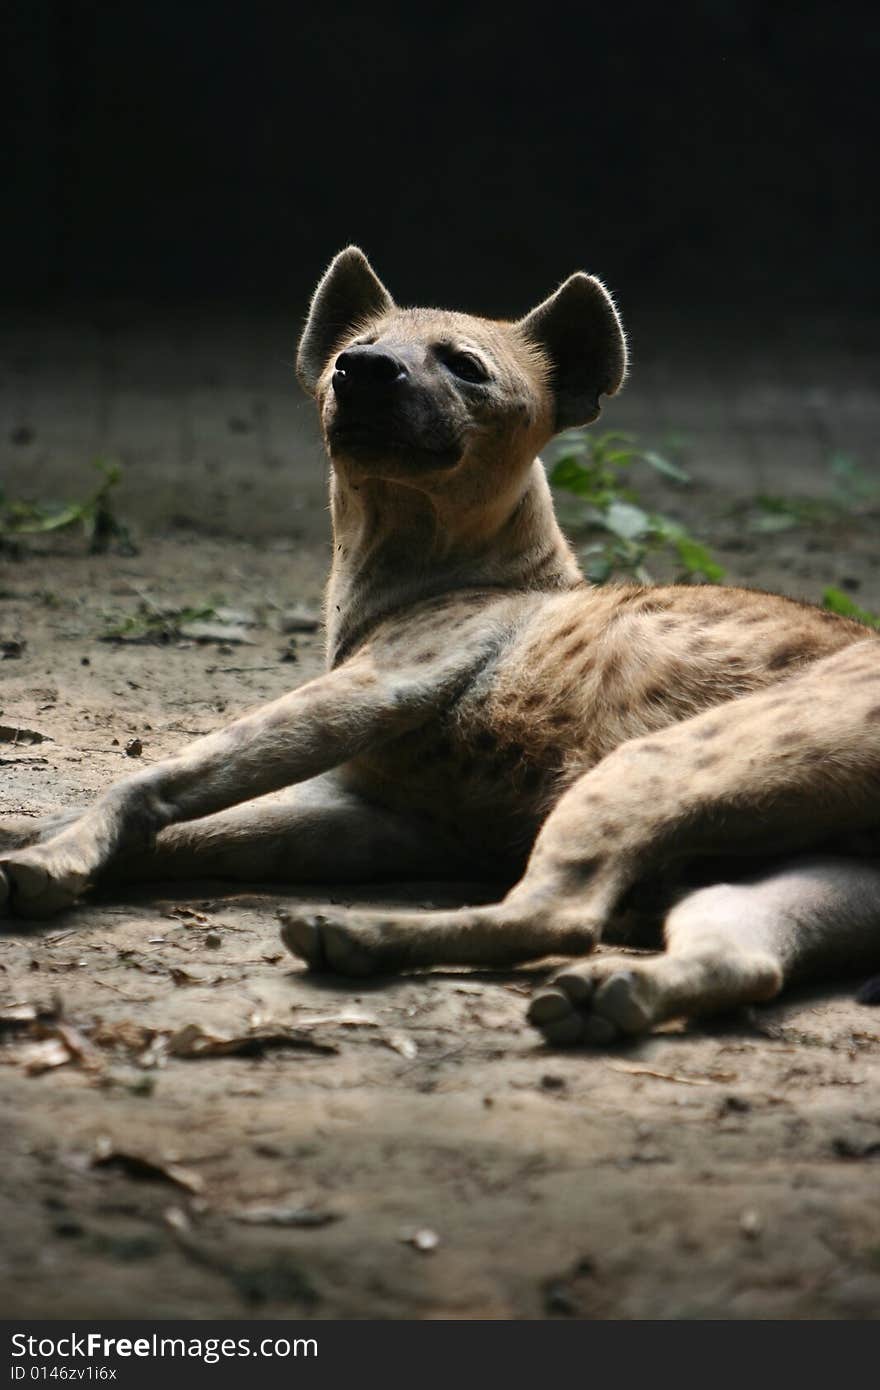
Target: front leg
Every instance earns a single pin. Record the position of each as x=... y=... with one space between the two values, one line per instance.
x=323 y=724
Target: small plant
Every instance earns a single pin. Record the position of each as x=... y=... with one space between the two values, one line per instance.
x=153 y=624
x=836 y=601
x=94 y=516
x=595 y=469
x=850 y=491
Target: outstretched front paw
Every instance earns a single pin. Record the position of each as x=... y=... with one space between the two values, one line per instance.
x=347 y=943
x=597 y=1001
x=37 y=883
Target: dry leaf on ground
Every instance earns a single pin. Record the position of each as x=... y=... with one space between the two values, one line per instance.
x=145 y=1169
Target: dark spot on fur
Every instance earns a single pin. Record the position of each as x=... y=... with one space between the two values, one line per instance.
x=873 y=713
x=586 y=869
x=707 y=760
x=610 y=828
x=421 y=657
x=649 y=603
x=708 y=731
x=611 y=667
x=576 y=648
x=654 y=693
x=785 y=656
x=651 y=748
x=565 y=632
x=789 y=738
x=533 y=701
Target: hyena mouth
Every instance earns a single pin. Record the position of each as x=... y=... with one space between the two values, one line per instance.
x=374 y=441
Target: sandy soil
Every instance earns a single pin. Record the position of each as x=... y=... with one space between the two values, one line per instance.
x=413 y=1151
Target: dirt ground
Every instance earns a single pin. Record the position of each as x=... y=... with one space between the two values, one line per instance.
x=399 y=1149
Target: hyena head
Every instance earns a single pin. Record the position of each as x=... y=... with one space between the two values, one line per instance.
x=432 y=398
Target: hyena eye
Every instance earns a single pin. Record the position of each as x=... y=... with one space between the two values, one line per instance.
x=466 y=367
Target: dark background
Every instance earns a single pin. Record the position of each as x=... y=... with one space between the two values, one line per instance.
x=717 y=153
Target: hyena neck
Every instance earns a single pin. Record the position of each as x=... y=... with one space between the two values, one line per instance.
x=394 y=546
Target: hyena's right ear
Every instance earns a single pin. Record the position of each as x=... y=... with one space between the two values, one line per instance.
x=350 y=292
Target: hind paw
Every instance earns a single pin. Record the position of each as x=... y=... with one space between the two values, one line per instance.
x=598 y=1001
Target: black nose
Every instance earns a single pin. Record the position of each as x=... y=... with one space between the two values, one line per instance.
x=361 y=371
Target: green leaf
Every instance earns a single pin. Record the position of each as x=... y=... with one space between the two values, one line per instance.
x=608 y=437
x=627 y=521
x=42 y=521
x=620 y=458
x=849 y=480
x=600 y=569
x=574 y=477
x=664 y=466
x=771 y=522
x=697 y=559
x=836 y=601
x=667 y=530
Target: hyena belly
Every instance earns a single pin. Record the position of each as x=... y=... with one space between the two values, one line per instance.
x=491 y=795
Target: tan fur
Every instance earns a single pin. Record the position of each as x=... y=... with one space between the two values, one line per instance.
x=486 y=712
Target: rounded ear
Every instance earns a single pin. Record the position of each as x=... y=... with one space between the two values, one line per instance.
x=349 y=292
x=581 y=334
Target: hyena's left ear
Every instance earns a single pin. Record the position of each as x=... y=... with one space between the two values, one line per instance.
x=581 y=334
x=350 y=292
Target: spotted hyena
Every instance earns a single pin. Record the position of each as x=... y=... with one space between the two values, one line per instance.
x=699 y=763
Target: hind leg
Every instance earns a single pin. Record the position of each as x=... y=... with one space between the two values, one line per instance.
x=772 y=772
x=726 y=945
